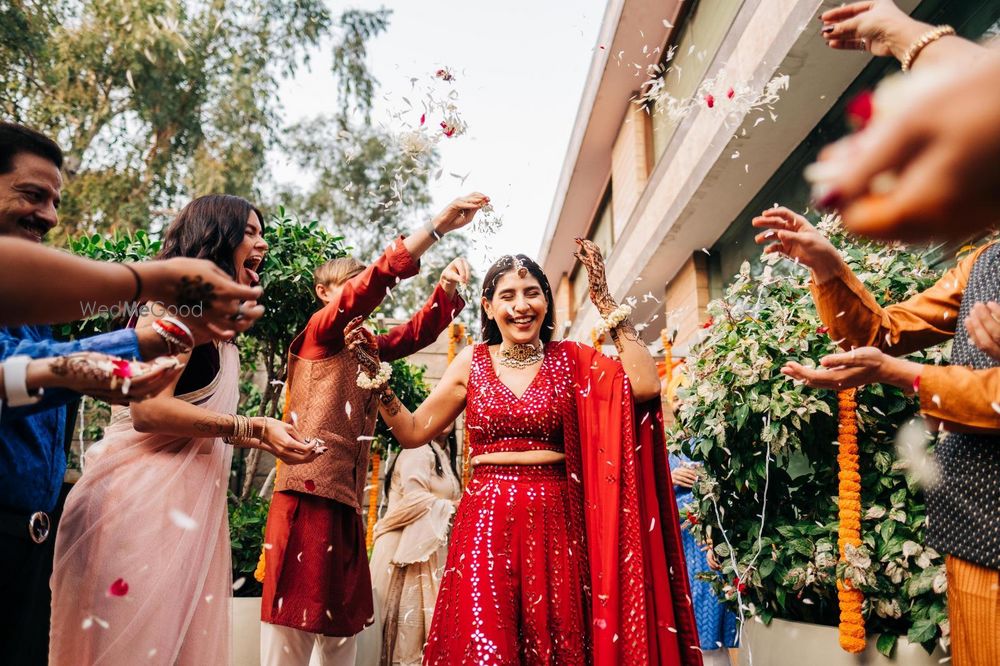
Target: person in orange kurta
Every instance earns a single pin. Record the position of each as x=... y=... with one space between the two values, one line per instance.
x=963 y=507
x=317 y=586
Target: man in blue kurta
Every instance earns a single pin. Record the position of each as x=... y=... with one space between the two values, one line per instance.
x=32 y=454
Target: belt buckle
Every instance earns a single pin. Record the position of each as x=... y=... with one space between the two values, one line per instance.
x=38 y=526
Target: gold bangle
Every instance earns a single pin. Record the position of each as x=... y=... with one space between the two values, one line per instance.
x=921 y=42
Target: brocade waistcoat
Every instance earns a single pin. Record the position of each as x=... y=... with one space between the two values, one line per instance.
x=330 y=405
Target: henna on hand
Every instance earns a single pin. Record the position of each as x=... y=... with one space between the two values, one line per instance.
x=390 y=402
x=590 y=256
x=364 y=345
x=195 y=291
x=216 y=426
x=624 y=331
x=79 y=366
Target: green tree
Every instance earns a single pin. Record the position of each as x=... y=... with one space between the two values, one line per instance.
x=157 y=101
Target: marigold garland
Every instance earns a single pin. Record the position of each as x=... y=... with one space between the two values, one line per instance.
x=596 y=339
x=372 y=501
x=456 y=332
x=258 y=573
x=668 y=360
x=852 y=622
x=466 y=461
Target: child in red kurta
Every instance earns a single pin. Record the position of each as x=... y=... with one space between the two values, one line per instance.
x=317 y=586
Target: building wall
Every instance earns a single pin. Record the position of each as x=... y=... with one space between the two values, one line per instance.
x=631 y=159
x=685 y=299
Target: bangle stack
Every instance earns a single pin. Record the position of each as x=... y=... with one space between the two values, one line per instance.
x=922 y=41
x=242 y=431
x=177 y=336
x=614 y=319
x=378 y=381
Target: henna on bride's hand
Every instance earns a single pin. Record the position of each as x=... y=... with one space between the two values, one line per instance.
x=590 y=256
x=622 y=332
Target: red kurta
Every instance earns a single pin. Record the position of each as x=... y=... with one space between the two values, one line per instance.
x=359 y=296
x=316 y=574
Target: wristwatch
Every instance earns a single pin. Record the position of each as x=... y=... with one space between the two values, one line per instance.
x=15 y=382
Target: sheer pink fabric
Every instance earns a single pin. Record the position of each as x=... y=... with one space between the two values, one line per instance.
x=142 y=564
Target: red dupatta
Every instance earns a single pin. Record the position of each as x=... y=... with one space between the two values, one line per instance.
x=640 y=602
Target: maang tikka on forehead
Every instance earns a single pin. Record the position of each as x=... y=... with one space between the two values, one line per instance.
x=519 y=266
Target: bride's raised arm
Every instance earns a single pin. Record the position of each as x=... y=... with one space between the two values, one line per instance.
x=635 y=357
x=442 y=406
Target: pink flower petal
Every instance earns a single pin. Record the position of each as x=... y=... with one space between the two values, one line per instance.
x=122 y=369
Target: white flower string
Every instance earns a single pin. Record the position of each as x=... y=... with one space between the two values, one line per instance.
x=614 y=319
x=380 y=379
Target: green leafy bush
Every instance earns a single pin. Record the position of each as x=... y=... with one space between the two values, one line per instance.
x=247 y=520
x=763 y=438
x=411 y=388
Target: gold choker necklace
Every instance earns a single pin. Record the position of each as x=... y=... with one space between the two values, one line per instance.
x=520 y=356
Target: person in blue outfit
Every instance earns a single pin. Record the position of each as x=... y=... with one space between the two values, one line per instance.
x=717 y=625
x=32 y=426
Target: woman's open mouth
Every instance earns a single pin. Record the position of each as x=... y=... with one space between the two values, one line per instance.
x=250 y=266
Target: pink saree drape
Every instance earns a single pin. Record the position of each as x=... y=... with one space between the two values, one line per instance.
x=142 y=564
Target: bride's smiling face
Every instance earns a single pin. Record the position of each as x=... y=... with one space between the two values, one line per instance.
x=518 y=306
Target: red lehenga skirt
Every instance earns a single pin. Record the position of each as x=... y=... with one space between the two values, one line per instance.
x=512 y=591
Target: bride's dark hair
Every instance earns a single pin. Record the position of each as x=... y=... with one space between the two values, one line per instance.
x=502 y=266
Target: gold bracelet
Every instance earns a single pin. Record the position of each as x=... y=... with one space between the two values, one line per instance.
x=922 y=41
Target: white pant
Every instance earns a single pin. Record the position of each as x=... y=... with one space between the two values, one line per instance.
x=284 y=646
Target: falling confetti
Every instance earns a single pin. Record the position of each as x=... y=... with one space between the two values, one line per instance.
x=182 y=520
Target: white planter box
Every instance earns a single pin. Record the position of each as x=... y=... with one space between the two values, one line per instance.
x=246 y=631
x=785 y=643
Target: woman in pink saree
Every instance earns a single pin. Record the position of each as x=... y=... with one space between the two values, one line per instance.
x=142 y=565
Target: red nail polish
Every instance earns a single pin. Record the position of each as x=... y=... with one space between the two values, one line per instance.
x=831 y=200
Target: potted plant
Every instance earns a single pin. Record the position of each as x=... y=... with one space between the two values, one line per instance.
x=768 y=502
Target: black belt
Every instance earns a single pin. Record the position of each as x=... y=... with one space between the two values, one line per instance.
x=34 y=526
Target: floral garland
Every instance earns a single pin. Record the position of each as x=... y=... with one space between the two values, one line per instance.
x=852 y=622
x=614 y=318
x=373 y=501
x=258 y=573
x=596 y=339
x=378 y=381
x=456 y=332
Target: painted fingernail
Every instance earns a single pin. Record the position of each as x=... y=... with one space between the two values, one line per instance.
x=827 y=29
x=831 y=200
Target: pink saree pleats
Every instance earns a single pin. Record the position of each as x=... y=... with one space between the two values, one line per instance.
x=142 y=566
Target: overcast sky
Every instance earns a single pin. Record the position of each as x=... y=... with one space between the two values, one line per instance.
x=520 y=68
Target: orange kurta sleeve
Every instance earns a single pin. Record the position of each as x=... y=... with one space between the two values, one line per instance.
x=959 y=395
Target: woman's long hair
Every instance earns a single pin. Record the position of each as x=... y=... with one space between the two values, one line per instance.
x=502 y=266
x=450 y=446
x=210 y=227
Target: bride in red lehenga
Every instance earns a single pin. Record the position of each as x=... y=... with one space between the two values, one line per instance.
x=566 y=546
